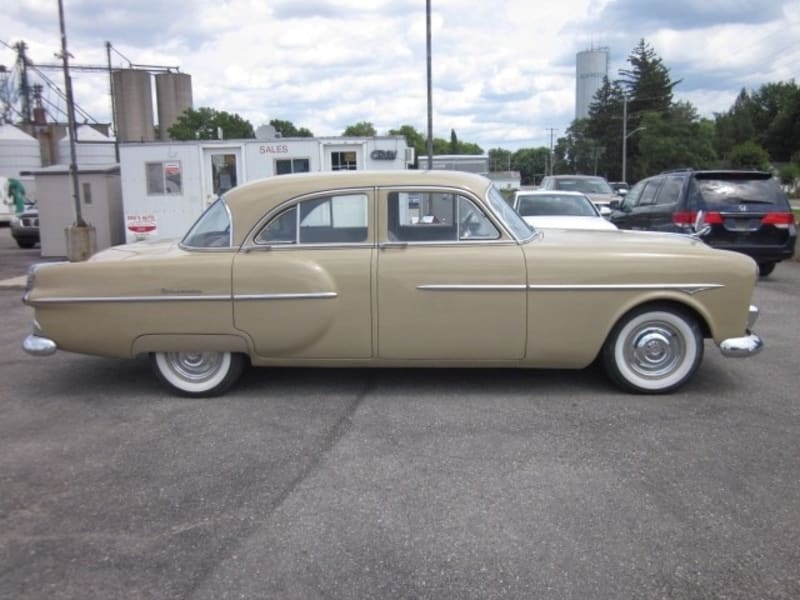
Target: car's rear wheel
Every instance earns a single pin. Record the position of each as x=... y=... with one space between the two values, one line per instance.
x=765 y=269
x=198 y=374
x=653 y=349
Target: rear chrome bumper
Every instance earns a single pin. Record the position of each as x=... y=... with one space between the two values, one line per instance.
x=37 y=345
x=748 y=345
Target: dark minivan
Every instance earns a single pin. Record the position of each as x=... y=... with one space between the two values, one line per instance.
x=746 y=211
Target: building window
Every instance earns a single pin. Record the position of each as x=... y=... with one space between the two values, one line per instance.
x=163 y=178
x=343 y=161
x=284 y=166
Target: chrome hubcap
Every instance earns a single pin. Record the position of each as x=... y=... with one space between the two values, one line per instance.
x=195 y=366
x=655 y=350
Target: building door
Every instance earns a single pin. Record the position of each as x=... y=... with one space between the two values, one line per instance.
x=222 y=169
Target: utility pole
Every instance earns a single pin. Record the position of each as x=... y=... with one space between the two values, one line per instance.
x=24 y=89
x=430 y=78
x=79 y=236
x=624 y=137
x=550 y=155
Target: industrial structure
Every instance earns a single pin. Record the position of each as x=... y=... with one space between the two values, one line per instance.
x=591 y=66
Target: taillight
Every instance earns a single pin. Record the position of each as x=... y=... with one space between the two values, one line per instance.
x=687 y=218
x=781 y=220
x=684 y=218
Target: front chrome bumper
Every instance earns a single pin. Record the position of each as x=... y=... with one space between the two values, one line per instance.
x=748 y=345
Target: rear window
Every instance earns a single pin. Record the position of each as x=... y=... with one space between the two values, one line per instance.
x=732 y=191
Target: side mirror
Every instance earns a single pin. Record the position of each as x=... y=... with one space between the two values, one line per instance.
x=604 y=211
x=614 y=204
x=622 y=192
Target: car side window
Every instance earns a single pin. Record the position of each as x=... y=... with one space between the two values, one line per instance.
x=436 y=217
x=632 y=197
x=648 y=196
x=670 y=191
x=340 y=219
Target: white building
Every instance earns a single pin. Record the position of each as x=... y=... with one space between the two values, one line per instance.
x=167 y=185
x=591 y=66
x=471 y=163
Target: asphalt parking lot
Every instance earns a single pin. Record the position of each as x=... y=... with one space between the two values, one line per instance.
x=357 y=483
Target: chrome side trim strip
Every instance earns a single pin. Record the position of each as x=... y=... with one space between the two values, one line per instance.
x=127 y=299
x=477 y=287
x=688 y=288
x=187 y=298
x=303 y=296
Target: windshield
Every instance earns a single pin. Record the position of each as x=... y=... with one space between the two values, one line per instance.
x=212 y=229
x=519 y=228
x=552 y=205
x=587 y=186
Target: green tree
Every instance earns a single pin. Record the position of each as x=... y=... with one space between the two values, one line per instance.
x=414 y=139
x=735 y=126
x=673 y=140
x=454 y=147
x=789 y=174
x=749 y=156
x=499 y=159
x=287 y=129
x=360 y=129
x=776 y=118
x=205 y=124
x=531 y=163
x=578 y=152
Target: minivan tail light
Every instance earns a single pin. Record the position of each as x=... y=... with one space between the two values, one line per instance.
x=687 y=218
x=781 y=220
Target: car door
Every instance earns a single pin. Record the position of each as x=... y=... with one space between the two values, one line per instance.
x=302 y=282
x=450 y=281
x=660 y=213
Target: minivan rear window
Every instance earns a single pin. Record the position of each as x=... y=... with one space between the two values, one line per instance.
x=728 y=191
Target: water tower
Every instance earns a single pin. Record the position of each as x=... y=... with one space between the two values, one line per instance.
x=591 y=67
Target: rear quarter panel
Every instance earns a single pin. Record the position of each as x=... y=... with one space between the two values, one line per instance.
x=102 y=307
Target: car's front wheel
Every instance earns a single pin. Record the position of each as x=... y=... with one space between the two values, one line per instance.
x=653 y=349
x=198 y=374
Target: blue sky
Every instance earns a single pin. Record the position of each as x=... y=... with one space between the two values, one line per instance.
x=504 y=73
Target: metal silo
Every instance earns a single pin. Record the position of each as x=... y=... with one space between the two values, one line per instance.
x=591 y=67
x=133 y=105
x=173 y=97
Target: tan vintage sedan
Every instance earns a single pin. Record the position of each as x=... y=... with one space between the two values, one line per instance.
x=395 y=269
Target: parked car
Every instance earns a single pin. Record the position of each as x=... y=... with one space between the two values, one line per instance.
x=620 y=187
x=745 y=211
x=25 y=227
x=395 y=269
x=594 y=186
x=565 y=210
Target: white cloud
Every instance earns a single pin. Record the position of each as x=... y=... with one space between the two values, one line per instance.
x=503 y=73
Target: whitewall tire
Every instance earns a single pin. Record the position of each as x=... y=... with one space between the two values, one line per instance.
x=197 y=374
x=654 y=349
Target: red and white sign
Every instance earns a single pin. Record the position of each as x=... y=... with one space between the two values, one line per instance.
x=142 y=225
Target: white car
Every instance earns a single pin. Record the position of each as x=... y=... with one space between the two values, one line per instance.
x=561 y=210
